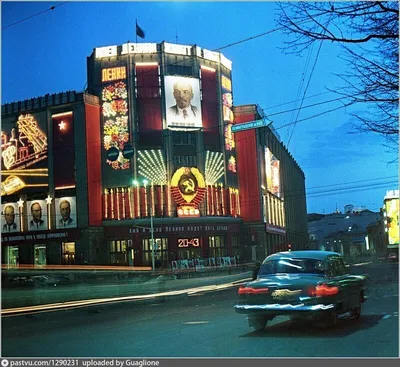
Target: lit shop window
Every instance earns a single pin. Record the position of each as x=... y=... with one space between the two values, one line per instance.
x=118 y=252
x=160 y=250
x=216 y=246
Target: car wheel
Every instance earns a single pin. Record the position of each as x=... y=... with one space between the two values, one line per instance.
x=355 y=313
x=332 y=319
x=258 y=323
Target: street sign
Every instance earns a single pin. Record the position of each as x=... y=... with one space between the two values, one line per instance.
x=250 y=125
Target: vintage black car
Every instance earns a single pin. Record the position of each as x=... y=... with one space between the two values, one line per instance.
x=302 y=284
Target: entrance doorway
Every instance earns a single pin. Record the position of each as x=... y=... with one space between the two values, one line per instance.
x=39 y=252
x=189 y=253
x=68 y=253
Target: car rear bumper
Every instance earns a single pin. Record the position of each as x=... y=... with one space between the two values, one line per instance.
x=283 y=308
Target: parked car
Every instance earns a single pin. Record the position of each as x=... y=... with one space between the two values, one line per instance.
x=301 y=284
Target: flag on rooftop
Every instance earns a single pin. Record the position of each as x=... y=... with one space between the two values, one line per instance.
x=139 y=31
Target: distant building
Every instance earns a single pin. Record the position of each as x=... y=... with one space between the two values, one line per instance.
x=342 y=232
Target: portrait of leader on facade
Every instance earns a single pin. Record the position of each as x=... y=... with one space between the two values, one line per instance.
x=66 y=212
x=10 y=222
x=37 y=215
x=183 y=102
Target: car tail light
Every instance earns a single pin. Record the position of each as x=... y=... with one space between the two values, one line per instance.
x=323 y=290
x=244 y=290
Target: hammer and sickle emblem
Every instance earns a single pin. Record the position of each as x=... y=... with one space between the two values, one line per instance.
x=189 y=185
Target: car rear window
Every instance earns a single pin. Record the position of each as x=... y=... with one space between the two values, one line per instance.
x=292 y=266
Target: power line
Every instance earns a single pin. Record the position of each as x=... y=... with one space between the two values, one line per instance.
x=305 y=91
x=34 y=15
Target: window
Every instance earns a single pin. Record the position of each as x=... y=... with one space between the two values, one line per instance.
x=235 y=245
x=184 y=138
x=118 y=252
x=68 y=253
x=216 y=246
x=161 y=251
x=289 y=265
x=176 y=69
x=40 y=255
x=336 y=267
x=185 y=161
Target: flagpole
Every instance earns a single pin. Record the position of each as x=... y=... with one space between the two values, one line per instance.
x=136 y=30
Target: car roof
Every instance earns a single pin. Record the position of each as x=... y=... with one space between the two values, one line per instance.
x=318 y=255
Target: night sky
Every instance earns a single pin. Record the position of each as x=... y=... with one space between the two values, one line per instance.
x=44 y=51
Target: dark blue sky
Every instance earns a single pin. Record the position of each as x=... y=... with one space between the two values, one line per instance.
x=47 y=54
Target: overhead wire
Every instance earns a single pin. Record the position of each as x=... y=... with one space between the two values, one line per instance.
x=53 y=7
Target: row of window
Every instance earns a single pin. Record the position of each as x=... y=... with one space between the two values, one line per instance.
x=190 y=249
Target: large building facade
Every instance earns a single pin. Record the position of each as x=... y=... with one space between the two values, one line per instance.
x=181 y=182
x=273 y=200
x=152 y=172
x=50 y=173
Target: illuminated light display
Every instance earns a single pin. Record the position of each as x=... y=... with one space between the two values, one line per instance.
x=65 y=187
x=172 y=48
x=137 y=198
x=25 y=147
x=229 y=138
x=216 y=192
x=111 y=74
x=115 y=127
x=222 y=199
x=187 y=211
x=145 y=200
x=105 y=203
x=188 y=186
x=207 y=68
x=27 y=172
x=272 y=172
x=11 y=184
x=226 y=83
x=105 y=51
x=130 y=203
x=139 y=48
x=112 y=203
x=20 y=203
x=214 y=167
x=151 y=165
x=392 y=220
x=228 y=117
x=237 y=201
x=62 y=125
x=187 y=242
x=117 y=198
x=232 y=164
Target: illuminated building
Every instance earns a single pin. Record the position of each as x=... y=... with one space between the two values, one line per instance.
x=50 y=150
x=140 y=157
x=180 y=170
x=273 y=199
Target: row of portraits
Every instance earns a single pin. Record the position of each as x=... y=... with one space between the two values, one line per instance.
x=36 y=211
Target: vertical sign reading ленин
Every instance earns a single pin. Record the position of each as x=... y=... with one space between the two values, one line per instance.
x=114 y=99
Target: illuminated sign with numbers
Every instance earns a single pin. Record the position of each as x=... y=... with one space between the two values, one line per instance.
x=188 y=242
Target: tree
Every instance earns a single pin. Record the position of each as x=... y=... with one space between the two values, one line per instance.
x=368 y=33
